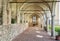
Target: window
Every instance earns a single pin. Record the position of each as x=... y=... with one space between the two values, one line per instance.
x=34 y=19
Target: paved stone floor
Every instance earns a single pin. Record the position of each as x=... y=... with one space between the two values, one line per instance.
x=33 y=34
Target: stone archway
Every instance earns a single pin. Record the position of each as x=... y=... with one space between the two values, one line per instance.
x=34 y=20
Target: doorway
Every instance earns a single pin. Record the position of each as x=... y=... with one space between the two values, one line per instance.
x=34 y=20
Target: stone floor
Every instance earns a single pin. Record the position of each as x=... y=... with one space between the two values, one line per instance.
x=33 y=34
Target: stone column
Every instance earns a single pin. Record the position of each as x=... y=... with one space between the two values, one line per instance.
x=4 y=12
x=1 y=10
x=9 y=14
x=18 y=14
x=47 y=24
x=52 y=21
x=0 y=5
x=23 y=18
x=26 y=18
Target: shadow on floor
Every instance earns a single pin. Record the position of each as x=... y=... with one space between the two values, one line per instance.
x=33 y=34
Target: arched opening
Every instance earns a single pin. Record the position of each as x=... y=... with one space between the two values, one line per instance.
x=18 y=15
x=34 y=20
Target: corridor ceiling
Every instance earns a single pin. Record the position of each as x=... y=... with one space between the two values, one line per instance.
x=34 y=6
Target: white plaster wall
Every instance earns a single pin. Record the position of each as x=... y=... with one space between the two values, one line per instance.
x=8 y=32
x=59 y=13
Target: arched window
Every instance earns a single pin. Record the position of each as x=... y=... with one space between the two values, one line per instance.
x=34 y=19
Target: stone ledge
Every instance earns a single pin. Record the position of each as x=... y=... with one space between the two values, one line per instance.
x=9 y=32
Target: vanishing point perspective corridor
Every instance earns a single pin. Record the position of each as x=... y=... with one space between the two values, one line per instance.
x=33 y=34
x=29 y=20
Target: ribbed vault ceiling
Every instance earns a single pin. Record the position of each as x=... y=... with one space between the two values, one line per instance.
x=24 y=5
x=49 y=5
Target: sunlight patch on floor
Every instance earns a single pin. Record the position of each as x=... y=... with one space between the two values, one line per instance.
x=49 y=33
x=39 y=36
x=37 y=31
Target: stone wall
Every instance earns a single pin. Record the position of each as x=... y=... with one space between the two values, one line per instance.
x=8 y=32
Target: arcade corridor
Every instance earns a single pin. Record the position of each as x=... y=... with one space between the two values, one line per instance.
x=29 y=20
x=33 y=34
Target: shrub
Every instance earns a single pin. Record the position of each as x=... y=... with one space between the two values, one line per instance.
x=59 y=32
